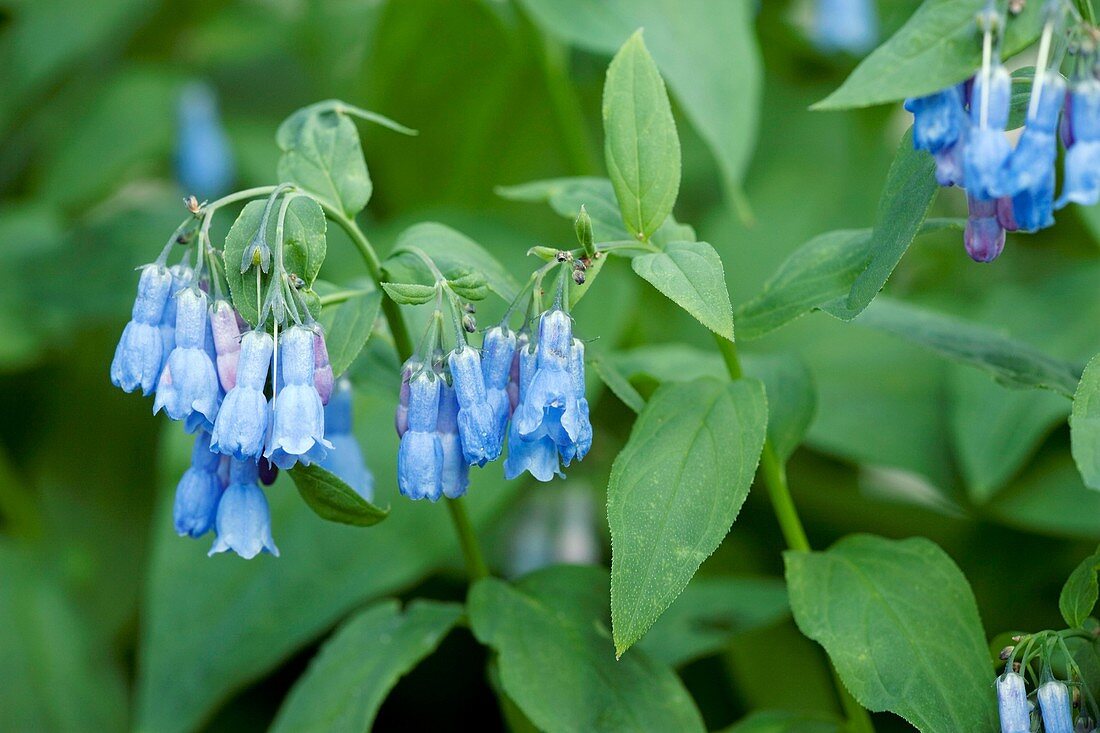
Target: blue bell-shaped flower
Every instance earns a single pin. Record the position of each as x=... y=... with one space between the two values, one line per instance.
x=1082 y=164
x=456 y=470
x=481 y=441
x=1012 y=703
x=138 y=356
x=845 y=25
x=536 y=452
x=1054 y=704
x=498 y=352
x=985 y=235
x=182 y=275
x=298 y=428
x=551 y=388
x=204 y=162
x=938 y=119
x=199 y=490
x=241 y=426
x=243 y=522
x=987 y=149
x=345 y=460
x=189 y=382
x=420 y=455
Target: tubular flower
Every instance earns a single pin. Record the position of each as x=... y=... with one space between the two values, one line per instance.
x=498 y=352
x=551 y=389
x=241 y=425
x=346 y=458
x=198 y=491
x=985 y=235
x=137 y=361
x=987 y=149
x=456 y=471
x=1054 y=704
x=845 y=25
x=189 y=382
x=243 y=523
x=939 y=119
x=204 y=163
x=420 y=455
x=536 y=452
x=481 y=439
x=298 y=421
x=1030 y=173
x=1012 y=703
x=227 y=342
x=1082 y=166
x=181 y=278
x=322 y=368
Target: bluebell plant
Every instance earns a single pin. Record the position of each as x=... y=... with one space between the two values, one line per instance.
x=963 y=126
x=1052 y=705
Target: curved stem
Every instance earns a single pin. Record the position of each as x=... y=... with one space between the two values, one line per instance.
x=774 y=473
x=471 y=550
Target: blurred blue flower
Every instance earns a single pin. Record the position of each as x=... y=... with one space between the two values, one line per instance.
x=298 y=426
x=204 y=162
x=985 y=235
x=198 y=491
x=938 y=119
x=138 y=356
x=845 y=25
x=345 y=459
x=1082 y=165
x=420 y=455
x=481 y=440
x=243 y=522
x=1030 y=175
x=987 y=148
x=241 y=425
x=456 y=470
x=189 y=382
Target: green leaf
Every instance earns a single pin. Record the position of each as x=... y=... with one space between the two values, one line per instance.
x=410 y=293
x=556 y=659
x=332 y=499
x=640 y=143
x=56 y=677
x=910 y=188
x=1013 y=363
x=471 y=286
x=455 y=254
x=792 y=400
x=348 y=327
x=675 y=490
x=691 y=275
x=709 y=613
x=1048 y=498
x=900 y=624
x=193 y=654
x=566 y=196
x=781 y=721
x=304 y=248
x=1084 y=423
x=618 y=384
x=322 y=154
x=349 y=678
x=940 y=45
x=1080 y=592
x=708 y=56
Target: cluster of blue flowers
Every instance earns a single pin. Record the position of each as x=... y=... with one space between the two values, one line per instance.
x=454 y=412
x=192 y=355
x=1055 y=708
x=1013 y=189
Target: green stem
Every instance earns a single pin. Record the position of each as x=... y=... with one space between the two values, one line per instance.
x=471 y=550
x=1085 y=6
x=774 y=473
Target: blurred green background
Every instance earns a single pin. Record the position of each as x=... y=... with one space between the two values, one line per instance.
x=108 y=621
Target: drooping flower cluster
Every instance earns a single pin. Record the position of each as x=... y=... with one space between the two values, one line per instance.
x=455 y=411
x=1058 y=707
x=1010 y=189
x=192 y=356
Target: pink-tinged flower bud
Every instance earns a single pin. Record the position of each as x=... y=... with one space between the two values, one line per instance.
x=401 y=417
x=322 y=369
x=227 y=342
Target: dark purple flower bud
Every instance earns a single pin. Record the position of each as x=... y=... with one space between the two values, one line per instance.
x=984 y=236
x=268 y=472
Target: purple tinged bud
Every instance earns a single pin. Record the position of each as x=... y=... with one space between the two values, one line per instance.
x=227 y=342
x=1054 y=703
x=322 y=370
x=984 y=236
x=189 y=382
x=268 y=472
x=139 y=354
x=243 y=522
x=456 y=471
x=241 y=426
x=522 y=343
x=1012 y=703
x=420 y=455
x=1065 y=130
x=298 y=423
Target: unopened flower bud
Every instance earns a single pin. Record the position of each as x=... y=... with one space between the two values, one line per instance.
x=469 y=323
x=578 y=276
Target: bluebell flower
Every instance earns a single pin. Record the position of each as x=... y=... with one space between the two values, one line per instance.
x=1012 y=703
x=138 y=356
x=401 y=416
x=1030 y=174
x=985 y=235
x=1082 y=164
x=322 y=368
x=498 y=354
x=227 y=342
x=420 y=455
x=204 y=162
x=243 y=523
x=241 y=425
x=346 y=457
x=987 y=149
x=575 y=448
x=182 y=274
x=938 y=119
x=298 y=425
x=189 y=382
x=536 y=452
x=456 y=471
x=845 y=25
x=551 y=388
x=949 y=165
x=1054 y=704
x=197 y=493
x=477 y=425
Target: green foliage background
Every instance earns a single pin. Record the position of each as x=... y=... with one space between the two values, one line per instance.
x=110 y=622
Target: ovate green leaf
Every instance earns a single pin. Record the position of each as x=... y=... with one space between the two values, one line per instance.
x=640 y=142
x=410 y=293
x=675 y=490
x=322 y=154
x=352 y=673
x=557 y=662
x=1084 y=423
x=332 y=499
x=900 y=624
x=1080 y=592
x=691 y=275
x=455 y=254
x=348 y=327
